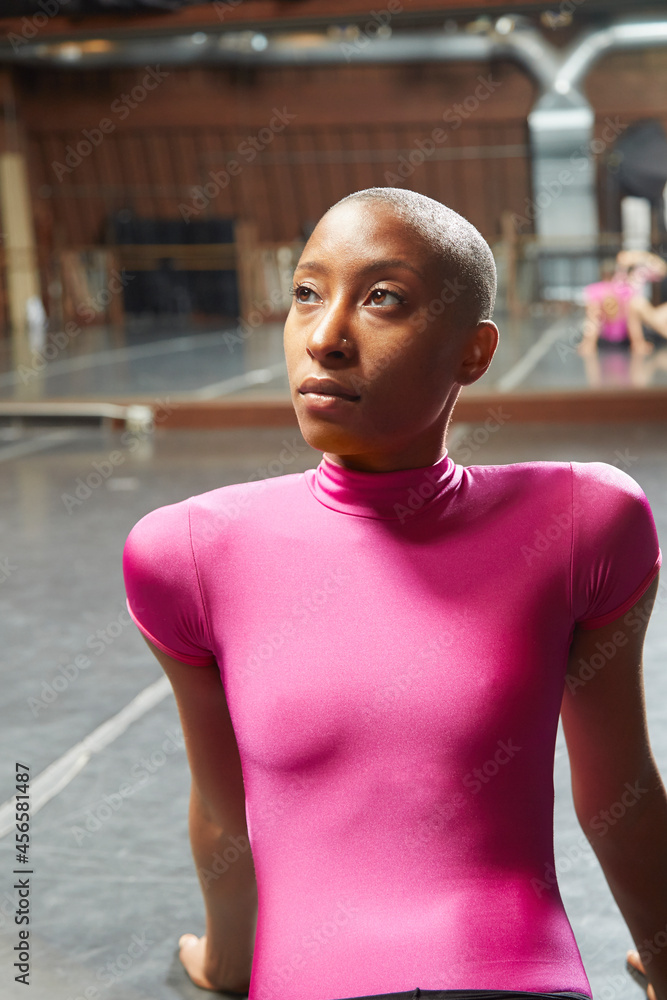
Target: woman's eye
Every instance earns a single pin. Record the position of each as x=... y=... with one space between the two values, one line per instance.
x=383 y=292
x=297 y=290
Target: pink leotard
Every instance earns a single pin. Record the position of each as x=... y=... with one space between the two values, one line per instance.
x=613 y=298
x=393 y=649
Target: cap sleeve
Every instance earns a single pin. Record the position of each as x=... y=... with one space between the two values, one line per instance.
x=615 y=550
x=162 y=586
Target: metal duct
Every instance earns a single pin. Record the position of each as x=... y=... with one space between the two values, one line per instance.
x=561 y=127
x=253 y=48
x=587 y=49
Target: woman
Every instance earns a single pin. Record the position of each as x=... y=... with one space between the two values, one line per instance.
x=617 y=309
x=369 y=658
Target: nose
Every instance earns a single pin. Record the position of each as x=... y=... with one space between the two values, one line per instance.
x=330 y=335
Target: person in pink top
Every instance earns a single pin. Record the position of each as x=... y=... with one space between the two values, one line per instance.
x=370 y=658
x=616 y=308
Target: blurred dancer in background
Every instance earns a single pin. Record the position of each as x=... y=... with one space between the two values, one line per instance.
x=617 y=308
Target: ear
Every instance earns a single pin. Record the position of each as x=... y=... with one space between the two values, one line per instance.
x=479 y=346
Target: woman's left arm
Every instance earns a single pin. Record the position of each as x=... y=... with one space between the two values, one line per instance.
x=619 y=797
x=222 y=958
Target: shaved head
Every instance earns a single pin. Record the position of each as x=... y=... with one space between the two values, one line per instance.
x=461 y=251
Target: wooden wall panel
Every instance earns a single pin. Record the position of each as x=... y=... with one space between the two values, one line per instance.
x=225 y=97
x=161 y=173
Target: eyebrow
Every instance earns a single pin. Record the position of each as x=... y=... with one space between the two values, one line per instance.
x=377 y=265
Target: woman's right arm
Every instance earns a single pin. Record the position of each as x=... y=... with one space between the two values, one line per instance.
x=619 y=797
x=218 y=831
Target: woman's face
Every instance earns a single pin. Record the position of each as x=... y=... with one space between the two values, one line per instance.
x=373 y=312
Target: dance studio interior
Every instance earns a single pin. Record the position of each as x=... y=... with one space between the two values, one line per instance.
x=163 y=164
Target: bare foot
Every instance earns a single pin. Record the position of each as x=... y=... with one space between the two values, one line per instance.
x=193 y=956
x=639 y=973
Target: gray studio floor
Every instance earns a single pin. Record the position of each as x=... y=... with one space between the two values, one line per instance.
x=114 y=882
x=535 y=352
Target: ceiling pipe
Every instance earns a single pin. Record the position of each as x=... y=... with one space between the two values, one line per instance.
x=255 y=49
x=585 y=51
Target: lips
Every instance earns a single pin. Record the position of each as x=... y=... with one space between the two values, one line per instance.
x=327 y=387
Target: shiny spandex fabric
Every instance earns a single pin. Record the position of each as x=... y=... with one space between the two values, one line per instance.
x=393 y=650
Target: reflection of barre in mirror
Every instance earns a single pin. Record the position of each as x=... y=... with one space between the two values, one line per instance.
x=370 y=658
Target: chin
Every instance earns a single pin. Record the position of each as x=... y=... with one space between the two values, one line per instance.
x=327 y=438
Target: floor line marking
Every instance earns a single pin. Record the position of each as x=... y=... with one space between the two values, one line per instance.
x=40 y=443
x=524 y=367
x=229 y=385
x=58 y=775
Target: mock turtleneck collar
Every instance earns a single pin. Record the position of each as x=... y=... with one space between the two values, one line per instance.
x=397 y=495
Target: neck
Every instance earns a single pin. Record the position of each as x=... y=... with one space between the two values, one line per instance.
x=395 y=495
x=386 y=463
